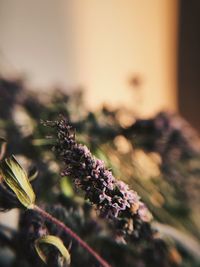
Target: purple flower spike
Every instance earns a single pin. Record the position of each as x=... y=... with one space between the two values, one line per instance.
x=113 y=198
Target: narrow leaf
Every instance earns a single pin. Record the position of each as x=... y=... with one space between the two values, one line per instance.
x=32 y=174
x=53 y=241
x=3 y=145
x=16 y=178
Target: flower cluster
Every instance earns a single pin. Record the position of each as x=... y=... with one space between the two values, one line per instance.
x=167 y=134
x=113 y=198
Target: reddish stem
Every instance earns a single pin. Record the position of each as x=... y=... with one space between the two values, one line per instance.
x=72 y=234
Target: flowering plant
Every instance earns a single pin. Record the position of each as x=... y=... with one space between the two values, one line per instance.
x=84 y=215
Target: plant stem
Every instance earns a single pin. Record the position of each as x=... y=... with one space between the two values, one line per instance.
x=72 y=234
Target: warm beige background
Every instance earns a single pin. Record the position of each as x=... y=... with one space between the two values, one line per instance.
x=97 y=44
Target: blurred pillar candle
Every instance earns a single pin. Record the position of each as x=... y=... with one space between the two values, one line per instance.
x=122 y=52
x=126 y=52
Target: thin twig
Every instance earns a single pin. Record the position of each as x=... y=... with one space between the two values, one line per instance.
x=72 y=234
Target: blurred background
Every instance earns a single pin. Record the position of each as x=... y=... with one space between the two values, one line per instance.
x=142 y=54
x=120 y=52
x=127 y=60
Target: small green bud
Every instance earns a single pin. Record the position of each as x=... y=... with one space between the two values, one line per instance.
x=16 y=178
x=53 y=241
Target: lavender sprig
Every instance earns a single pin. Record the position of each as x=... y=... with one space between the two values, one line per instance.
x=113 y=198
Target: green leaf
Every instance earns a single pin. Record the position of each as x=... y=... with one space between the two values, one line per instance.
x=32 y=174
x=66 y=187
x=16 y=178
x=53 y=241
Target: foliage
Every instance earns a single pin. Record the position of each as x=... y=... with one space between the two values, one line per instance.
x=158 y=157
